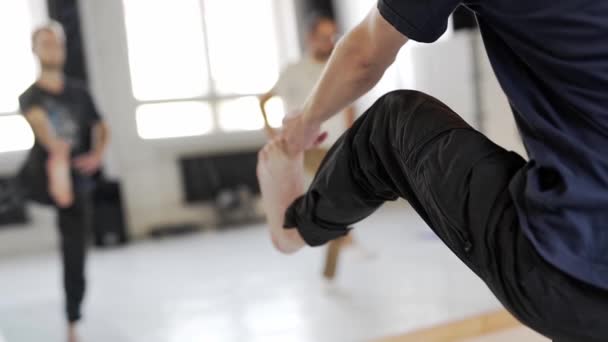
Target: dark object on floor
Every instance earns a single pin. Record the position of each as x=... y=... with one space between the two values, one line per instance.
x=174 y=230
x=204 y=177
x=12 y=204
x=109 y=225
x=226 y=181
x=235 y=207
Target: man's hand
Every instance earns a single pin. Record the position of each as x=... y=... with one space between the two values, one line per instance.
x=301 y=135
x=88 y=163
x=355 y=67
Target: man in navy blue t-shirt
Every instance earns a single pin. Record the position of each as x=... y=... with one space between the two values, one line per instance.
x=534 y=231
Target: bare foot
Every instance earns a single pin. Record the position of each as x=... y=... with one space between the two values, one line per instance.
x=281 y=179
x=60 y=180
x=72 y=335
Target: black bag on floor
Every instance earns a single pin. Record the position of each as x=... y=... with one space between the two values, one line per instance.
x=12 y=203
x=109 y=226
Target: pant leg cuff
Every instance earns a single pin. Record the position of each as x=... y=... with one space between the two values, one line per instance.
x=300 y=215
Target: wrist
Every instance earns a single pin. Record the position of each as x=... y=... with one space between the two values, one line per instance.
x=309 y=119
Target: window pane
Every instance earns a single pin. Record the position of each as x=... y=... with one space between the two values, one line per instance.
x=172 y=120
x=18 y=67
x=243 y=45
x=240 y=115
x=166 y=49
x=15 y=134
x=275 y=109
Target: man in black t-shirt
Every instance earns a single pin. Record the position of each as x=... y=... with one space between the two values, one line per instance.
x=534 y=231
x=70 y=141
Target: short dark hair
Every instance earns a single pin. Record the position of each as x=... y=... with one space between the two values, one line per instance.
x=314 y=19
x=51 y=26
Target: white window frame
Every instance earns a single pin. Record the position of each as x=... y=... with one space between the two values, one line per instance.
x=289 y=50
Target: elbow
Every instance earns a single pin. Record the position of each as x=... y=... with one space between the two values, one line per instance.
x=367 y=65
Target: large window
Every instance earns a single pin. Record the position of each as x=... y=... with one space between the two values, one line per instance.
x=198 y=65
x=18 y=70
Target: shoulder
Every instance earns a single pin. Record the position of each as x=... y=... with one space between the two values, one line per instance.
x=30 y=92
x=30 y=96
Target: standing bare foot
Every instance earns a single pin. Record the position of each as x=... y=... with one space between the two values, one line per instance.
x=60 y=180
x=281 y=179
x=72 y=335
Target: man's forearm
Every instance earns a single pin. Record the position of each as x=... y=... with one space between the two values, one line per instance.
x=347 y=77
x=357 y=64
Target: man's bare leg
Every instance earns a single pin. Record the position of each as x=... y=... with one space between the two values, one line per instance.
x=281 y=179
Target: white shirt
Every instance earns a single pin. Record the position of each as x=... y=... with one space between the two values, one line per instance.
x=295 y=84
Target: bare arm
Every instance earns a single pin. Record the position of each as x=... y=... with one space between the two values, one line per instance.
x=44 y=132
x=357 y=64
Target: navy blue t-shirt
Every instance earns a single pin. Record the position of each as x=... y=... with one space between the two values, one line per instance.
x=551 y=59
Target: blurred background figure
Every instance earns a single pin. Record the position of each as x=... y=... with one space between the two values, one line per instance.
x=298 y=79
x=70 y=142
x=294 y=85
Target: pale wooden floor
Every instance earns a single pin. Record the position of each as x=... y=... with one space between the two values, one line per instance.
x=520 y=334
x=497 y=326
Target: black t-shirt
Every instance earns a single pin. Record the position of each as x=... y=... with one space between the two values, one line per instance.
x=72 y=115
x=551 y=58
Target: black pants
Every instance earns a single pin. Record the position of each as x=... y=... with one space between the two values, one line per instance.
x=411 y=145
x=74 y=223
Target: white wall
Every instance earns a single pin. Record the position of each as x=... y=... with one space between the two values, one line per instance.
x=448 y=79
x=498 y=121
